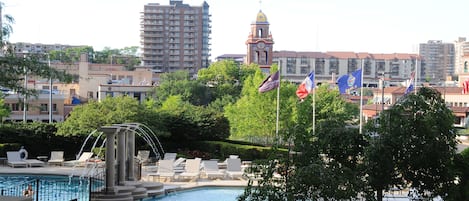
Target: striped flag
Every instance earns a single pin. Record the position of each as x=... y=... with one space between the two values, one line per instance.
x=465 y=87
x=411 y=84
x=306 y=86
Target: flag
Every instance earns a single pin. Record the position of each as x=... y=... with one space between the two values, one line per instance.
x=411 y=84
x=353 y=80
x=306 y=86
x=271 y=82
x=465 y=87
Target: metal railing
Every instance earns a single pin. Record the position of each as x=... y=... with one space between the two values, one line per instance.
x=60 y=188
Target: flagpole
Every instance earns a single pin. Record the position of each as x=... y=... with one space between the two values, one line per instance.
x=416 y=73
x=278 y=101
x=361 y=97
x=314 y=105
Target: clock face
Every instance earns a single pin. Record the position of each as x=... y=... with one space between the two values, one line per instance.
x=261 y=45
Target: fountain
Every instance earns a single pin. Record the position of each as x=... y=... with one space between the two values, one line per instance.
x=120 y=160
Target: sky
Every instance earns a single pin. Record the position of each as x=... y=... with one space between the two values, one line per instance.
x=374 y=26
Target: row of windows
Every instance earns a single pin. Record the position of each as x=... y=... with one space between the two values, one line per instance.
x=44 y=107
x=456 y=104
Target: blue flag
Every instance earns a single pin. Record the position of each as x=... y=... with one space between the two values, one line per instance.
x=347 y=81
x=411 y=85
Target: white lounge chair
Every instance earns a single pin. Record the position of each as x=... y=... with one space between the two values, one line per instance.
x=170 y=156
x=14 y=159
x=85 y=156
x=211 y=169
x=35 y=163
x=165 y=170
x=179 y=164
x=56 y=158
x=233 y=168
x=191 y=169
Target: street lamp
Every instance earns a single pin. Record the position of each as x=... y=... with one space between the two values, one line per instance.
x=25 y=96
x=383 y=74
x=50 y=90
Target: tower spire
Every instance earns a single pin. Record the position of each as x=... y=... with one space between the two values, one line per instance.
x=260 y=4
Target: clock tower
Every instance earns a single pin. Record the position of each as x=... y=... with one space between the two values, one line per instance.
x=260 y=43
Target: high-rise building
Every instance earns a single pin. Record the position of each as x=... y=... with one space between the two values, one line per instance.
x=175 y=36
x=461 y=51
x=260 y=43
x=438 y=58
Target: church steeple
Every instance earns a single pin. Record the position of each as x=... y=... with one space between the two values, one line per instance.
x=260 y=42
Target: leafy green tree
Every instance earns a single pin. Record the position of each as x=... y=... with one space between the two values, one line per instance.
x=188 y=122
x=417 y=128
x=84 y=119
x=253 y=116
x=70 y=55
x=7 y=29
x=179 y=83
x=5 y=111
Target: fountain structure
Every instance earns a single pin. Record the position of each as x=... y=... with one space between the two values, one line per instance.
x=120 y=180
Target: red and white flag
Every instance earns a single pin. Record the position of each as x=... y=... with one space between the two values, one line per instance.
x=465 y=87
x=306 y=86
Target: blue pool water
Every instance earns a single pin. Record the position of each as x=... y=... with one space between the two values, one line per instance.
x=47 y=187
x=203 y=194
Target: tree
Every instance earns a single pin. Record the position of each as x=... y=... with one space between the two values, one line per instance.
x=84 y=119
x=179 y=83
x=420 y=140
x=5 y=111
x=253 y=116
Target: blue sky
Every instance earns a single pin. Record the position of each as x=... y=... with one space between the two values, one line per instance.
x=298 y=25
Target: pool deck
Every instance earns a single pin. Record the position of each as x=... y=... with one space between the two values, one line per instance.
x=78 y=171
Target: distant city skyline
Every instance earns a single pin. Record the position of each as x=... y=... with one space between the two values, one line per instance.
x=296 y=25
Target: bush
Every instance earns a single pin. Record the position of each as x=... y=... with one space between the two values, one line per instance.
x=220 y=150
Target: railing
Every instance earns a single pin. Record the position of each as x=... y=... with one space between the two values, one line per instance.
x=72 y=188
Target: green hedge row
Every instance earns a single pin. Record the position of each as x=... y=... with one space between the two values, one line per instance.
x=221 y=150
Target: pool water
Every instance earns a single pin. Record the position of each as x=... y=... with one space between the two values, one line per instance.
x=50 y=187
x=203 y=194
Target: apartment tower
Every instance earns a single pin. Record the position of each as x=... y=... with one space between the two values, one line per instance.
x=438 y=58
x=175 y=36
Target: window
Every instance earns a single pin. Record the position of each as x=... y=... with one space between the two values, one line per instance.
x=333 y=66
x=291 y=65
x=43 y=107
x=319 y=66
x=15 y=107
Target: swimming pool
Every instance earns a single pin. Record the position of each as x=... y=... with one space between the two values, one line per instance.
x=203 y=194
x=48 y=187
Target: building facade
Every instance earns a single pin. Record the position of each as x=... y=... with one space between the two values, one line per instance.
x=461 y=55
x=40 y=48
x=395 y=69
x=175 y=37
x=438 y=60
x=260 y=43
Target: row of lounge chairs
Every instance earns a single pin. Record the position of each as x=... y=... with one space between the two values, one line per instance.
x=56 y=158
x=15 y=160
x=194 y=168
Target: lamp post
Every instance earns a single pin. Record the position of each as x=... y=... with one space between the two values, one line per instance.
x=25 y=96
x=50 y=91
